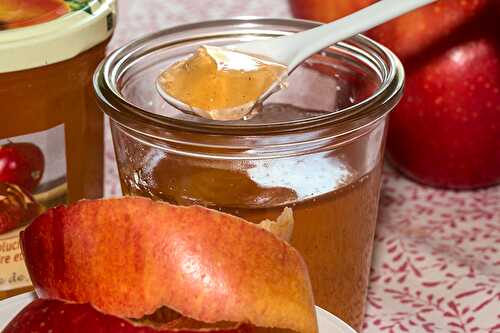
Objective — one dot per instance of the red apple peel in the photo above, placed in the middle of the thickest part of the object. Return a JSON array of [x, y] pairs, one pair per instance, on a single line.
[[128, 257]]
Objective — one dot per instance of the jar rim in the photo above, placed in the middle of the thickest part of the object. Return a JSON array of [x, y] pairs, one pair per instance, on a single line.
[[349, 119]]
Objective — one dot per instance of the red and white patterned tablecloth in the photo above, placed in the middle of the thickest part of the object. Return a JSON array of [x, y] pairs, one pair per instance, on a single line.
[[436, 264]]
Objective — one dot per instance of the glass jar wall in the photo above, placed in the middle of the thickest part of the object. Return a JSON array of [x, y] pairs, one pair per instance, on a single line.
[[315, 146]]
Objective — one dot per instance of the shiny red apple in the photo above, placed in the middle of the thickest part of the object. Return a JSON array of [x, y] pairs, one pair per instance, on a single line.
[[446, 130], [406, 35], [60, 317], [21, 163]]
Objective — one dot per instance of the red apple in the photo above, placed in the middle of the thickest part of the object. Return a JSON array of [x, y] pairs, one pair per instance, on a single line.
[[60, 317], [326, 10], [17, 207], [129, 257], [22, 164], [406, 35], [445, 132]]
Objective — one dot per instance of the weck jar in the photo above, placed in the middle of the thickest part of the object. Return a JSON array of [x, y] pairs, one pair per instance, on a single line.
[[51, 133], [316, 146]]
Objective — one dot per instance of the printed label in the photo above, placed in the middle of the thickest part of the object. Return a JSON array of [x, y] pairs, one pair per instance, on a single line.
[[32, 179], [13, 273]]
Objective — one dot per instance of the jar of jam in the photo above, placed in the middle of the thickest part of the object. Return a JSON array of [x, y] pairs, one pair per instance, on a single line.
[[315, 146], [51, 133]]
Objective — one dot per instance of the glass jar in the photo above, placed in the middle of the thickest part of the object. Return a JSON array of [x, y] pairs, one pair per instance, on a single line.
[[316, 146], [51, 133]]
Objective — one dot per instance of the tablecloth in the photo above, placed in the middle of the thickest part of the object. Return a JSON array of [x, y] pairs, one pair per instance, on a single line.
[[436, 262]]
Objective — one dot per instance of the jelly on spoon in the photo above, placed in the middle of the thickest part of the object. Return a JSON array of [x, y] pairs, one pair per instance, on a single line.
[[225, 83]]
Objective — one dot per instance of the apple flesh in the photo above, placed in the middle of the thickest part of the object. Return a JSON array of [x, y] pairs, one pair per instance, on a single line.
[[445, 131], [60, 317], [129, 257]]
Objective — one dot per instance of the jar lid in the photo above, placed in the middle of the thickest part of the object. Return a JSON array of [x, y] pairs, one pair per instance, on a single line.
[[35, 33]]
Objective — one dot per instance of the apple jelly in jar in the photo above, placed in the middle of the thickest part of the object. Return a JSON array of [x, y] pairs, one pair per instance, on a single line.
[[315, 146], [51, 133]]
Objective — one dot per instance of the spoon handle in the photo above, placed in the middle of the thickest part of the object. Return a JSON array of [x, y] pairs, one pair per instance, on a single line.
[[293, 49]]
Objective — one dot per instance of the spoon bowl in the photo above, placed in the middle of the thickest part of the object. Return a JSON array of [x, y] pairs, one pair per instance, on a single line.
[[226, 114]]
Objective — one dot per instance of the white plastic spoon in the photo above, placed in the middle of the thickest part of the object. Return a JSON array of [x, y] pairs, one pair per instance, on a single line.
[[292, 50]]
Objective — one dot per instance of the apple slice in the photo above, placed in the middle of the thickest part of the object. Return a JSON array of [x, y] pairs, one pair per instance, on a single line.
[[128, 257]]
